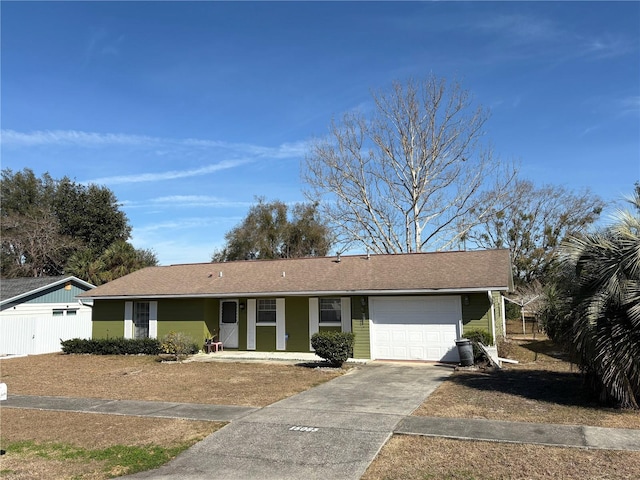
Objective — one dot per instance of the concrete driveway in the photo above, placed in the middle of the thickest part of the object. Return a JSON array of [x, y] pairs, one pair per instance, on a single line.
[[334, 430]]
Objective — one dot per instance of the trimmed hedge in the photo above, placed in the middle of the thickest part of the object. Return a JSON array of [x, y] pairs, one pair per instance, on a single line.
[[112, 346], [334, 347]]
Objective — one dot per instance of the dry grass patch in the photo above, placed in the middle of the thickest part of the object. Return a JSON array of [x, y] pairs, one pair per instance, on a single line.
[[93, 430], [545, 388], [64, 445], [420, 458], [144, 378]]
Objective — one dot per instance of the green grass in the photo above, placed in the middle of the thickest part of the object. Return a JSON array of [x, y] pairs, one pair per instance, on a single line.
[[130, 459]]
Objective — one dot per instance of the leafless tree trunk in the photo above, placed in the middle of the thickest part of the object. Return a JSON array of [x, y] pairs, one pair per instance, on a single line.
[[412, 176], [32, 245]]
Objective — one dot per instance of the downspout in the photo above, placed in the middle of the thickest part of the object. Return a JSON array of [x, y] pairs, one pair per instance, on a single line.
[[504, 318], [493, 317]]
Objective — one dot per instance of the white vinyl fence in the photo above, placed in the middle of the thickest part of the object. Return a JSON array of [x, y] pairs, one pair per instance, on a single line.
[[30, 334]]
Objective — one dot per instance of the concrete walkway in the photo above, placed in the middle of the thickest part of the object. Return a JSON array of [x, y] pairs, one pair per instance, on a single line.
[[334, 430], [580, 436], [331, 431], [136, 408]]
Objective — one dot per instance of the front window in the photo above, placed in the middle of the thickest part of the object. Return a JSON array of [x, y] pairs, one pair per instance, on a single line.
[[141, 320], [330, 310], [229, 312], [266, 310]]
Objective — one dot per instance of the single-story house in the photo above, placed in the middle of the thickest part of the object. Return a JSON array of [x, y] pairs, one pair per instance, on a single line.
[[404, 306], [37, 312]]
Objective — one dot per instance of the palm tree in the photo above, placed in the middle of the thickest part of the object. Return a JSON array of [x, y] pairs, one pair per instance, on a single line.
[[606, 306], [120, 259]]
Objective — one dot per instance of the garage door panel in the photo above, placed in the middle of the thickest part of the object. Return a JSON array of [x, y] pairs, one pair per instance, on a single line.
[[419, 328]]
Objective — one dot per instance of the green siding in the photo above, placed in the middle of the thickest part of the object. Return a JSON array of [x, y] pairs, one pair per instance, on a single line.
[[330, 329], [360, 327], [192, 328], [176, 310], [193, 317], [362, 344], [211, 317], [188, 316], [108, 319], [266, 339], [476, 315], [297, 324]]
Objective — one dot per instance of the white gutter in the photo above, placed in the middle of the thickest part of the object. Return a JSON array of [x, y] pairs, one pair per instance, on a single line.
[[311, 293]]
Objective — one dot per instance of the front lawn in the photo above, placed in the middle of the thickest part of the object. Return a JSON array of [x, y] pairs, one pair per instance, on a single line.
[[140, 377], [65, 445], [544, 388]]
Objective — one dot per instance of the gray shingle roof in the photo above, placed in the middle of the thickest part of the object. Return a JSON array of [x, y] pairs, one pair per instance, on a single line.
[[15, 287], [12, 287], [416, 272]]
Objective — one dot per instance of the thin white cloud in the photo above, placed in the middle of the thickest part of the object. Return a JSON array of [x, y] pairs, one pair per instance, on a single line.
[[73, 137], [629, 105], [236, 154], [608, 46], [196, 201], [524, 28], [91, 139], [169, 175]]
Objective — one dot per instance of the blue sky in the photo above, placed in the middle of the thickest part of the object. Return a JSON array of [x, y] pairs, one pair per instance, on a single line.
[[189, 110]]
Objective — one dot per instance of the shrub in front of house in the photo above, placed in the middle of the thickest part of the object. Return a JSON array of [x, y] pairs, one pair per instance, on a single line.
[[334, 347], [478, 335], [178, 344], [112, 346]]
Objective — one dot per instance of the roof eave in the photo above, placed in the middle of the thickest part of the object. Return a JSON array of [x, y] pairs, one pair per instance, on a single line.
[[47, 286], [314, 293]]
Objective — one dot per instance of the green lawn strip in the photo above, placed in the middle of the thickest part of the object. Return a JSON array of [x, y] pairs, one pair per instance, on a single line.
[[129, 459]]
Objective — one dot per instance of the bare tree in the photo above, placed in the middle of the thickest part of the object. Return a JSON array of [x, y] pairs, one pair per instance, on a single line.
[[533, 223], [414, 175], [32, 245]]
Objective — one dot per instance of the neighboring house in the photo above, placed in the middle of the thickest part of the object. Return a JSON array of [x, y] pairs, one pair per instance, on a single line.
[[37, 312], [404, 306]]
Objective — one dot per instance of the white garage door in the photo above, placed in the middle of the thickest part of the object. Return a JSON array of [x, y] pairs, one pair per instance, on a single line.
[[415, 328]]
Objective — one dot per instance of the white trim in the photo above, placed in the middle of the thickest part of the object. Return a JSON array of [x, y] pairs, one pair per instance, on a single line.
[[153, 319], [251, 324], [493, 316], [312, 293], [314, 319], [281, 342], [128, 319], [345, 313]]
